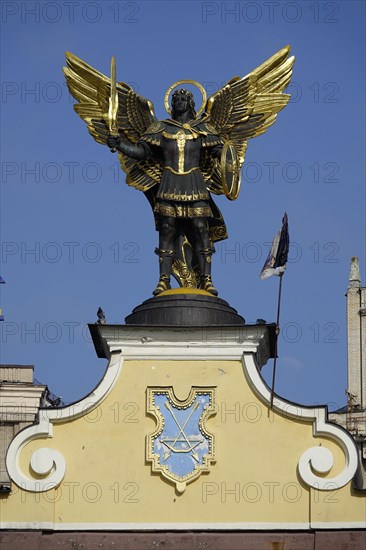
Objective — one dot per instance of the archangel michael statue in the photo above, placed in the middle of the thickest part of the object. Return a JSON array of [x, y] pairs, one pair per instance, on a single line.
[[178, 162]]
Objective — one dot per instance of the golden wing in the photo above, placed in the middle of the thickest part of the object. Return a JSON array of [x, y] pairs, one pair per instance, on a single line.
[[246, 107], [135, 114]]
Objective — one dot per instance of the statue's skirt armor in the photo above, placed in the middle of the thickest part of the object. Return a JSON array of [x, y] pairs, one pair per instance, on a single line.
[[195, 209], [182, 187], [183, 195]]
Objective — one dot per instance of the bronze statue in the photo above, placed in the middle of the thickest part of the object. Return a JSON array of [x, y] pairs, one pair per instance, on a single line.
[[178, 162]]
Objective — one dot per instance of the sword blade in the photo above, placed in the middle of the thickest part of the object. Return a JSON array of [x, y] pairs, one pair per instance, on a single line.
[[113, 101]]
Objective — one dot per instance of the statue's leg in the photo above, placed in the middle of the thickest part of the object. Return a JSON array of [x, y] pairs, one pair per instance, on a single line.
[[167, 229], [203, 249]]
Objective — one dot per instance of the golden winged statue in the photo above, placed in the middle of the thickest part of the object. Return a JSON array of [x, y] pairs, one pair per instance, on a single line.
[[178, 162]]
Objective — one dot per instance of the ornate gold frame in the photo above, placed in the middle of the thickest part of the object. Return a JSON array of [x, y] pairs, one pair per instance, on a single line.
[[154, 411]]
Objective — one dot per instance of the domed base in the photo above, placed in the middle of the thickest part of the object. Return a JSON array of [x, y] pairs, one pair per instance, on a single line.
[[184, 307]]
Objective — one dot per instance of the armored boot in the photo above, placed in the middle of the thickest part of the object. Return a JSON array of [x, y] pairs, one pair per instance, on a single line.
[[204, 265], [165, 268]]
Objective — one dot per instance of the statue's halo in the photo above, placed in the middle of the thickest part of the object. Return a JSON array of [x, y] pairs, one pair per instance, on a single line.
[[178, 83]]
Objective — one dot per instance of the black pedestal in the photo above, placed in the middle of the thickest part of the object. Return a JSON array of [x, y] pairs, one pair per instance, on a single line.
[[184, 307]]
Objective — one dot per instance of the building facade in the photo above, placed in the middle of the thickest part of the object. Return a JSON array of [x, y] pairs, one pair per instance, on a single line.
[[20, 401], [179, 446], [353, 416]]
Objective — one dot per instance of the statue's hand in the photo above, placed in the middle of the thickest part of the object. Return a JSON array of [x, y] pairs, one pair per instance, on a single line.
[[113, 142]]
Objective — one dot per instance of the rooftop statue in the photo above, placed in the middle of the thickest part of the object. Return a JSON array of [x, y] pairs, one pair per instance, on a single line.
[[178, 162]]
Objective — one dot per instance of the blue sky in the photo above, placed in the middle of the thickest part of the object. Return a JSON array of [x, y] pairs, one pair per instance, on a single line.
[[92, 237]]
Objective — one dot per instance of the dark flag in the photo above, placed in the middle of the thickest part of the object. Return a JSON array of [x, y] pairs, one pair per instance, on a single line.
[[275, 263], [1, 313]]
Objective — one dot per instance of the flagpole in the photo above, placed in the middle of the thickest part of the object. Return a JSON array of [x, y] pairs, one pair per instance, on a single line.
[[276, 341]]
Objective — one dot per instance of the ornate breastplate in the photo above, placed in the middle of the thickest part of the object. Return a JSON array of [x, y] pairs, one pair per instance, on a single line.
[[181, 136]]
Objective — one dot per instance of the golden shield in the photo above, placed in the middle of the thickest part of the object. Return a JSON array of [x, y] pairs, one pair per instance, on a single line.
[[230, 171]]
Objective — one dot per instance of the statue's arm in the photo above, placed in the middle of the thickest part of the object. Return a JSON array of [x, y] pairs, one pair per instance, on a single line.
[[216, 151], [211, 141], [141, 151]]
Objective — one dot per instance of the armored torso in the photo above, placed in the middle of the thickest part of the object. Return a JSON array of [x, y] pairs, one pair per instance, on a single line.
[[181, 146], [181, 149]]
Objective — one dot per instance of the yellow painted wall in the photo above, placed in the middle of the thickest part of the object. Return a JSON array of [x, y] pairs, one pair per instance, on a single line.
[[254, 479]]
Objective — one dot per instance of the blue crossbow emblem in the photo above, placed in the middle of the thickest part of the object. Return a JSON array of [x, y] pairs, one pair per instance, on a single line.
[[181, 447]]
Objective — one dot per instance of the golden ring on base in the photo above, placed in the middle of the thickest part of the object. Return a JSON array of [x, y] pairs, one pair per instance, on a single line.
[[184, 290]]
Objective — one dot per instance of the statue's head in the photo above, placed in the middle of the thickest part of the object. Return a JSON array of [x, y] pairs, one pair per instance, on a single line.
[[182, 101]]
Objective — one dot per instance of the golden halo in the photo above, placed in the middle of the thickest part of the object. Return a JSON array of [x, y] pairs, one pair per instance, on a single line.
[[178, 83]]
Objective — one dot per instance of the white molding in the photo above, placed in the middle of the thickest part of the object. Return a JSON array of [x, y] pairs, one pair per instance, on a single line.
[[168, 352], [315, 459], [172, 343], [335, 525], [47, 461], [219, 526]]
